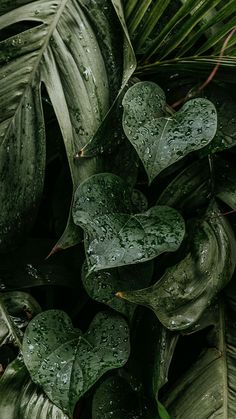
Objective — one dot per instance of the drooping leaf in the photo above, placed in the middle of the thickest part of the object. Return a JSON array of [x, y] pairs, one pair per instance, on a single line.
[[103, 285], [115, 398], [71, 47], [208, 387], [22, 399], [161, 139], [114, 237], [186, 289], [65, 362]]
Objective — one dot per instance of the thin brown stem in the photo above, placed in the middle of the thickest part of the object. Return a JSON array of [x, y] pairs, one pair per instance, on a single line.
[[211, 75]]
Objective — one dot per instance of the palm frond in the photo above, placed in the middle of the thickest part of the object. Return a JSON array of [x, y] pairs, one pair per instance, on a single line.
[[189, 33]]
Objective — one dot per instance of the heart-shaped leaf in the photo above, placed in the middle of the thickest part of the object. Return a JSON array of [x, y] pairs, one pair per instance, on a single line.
[[103, 285], [162, 139], [65, 362], [186, 289], [114, 237]]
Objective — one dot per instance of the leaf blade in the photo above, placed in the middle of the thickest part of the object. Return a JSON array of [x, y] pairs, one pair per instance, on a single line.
[[161, 139], [114, 237], [65, 362]]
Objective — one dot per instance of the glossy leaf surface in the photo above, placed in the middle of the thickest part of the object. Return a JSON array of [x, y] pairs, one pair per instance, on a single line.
[[186, 289], [75, 56], [208, 387], [65, 362], [114, 237], [103, 285], [22, 399], [162, 139], [190, 189]]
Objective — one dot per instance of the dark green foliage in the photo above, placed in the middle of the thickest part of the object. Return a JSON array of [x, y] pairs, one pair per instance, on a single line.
[[118, 200]]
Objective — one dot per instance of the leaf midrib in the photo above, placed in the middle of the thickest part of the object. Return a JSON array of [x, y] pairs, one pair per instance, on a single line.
[[38, 60], [159, 146]]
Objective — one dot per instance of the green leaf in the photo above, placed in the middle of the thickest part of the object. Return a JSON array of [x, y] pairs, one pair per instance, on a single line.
[[161, 139], [22, 399], [152, 349], [115, 398], [81, 53], [16, 308], [186, 289], [163, 412], [103, 285], [190, 189], [162, 28], [114, 237], [65, 362], [207, 389], [225, 182], [26, 267], [226, 108]]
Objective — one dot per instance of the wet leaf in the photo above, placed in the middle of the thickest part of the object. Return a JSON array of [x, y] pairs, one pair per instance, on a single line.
[[22, 399], [65, 362], [207, 389], [81, 52], [190, 189], [103, 285], [162, 139], [115, 398], [114, 237], [186, 289]]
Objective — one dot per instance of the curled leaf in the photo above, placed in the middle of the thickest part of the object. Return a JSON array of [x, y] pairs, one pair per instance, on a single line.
[[186, 289]]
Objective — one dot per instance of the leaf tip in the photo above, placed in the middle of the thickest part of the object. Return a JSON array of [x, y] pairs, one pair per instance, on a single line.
[[120, 294], [54, 250]]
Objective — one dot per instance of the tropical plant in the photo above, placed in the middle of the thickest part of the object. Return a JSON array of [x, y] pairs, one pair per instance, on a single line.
[[118, 200]]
